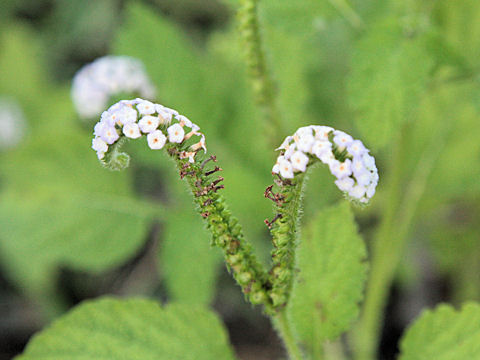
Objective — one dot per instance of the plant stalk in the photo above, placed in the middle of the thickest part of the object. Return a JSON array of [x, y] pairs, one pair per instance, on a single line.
[[284, 330]]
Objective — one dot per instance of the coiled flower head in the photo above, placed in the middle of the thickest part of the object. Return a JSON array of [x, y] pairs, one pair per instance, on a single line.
[[135, 118], [12, 123], [348, 159], [95, 83]]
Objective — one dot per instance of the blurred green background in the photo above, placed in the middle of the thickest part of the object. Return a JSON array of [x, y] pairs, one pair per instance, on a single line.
[[71, 230]]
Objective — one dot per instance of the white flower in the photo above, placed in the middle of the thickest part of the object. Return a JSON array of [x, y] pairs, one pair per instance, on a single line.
[[345, 184], [276, 167], [341, 169], [304, 131], [371, 190], [357, 191], [285, 144], [156, 140], [175, 133], [109, 134], [98, 129], [109, 118], [341, 139], [356, 148], [321, 132], [126, 115], [164, 117], [286, 169], [327, 157], [305, 142], [299, 161], [100, 155], [132, 131], [290, 150], [99, 145], [148, 124], [358, 166], [364, 178], [97, 82], [369, 162], [321, 147], [145, 107]]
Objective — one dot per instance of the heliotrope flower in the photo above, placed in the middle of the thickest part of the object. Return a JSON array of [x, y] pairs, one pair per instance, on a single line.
[[348, 159], [95, 83], [134, 118]]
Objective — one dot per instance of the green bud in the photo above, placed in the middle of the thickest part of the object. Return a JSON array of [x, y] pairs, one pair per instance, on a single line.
[[244, 278], [117, 161]]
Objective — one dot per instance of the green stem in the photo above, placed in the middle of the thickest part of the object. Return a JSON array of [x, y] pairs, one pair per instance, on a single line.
[[283, 328], [284, 238], [262, 83], [226, 232]]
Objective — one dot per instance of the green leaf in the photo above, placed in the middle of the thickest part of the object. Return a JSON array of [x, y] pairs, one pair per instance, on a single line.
[[59, 207], [187, 260], [389, 74], [329, 286], [444, 334], [131, 329]]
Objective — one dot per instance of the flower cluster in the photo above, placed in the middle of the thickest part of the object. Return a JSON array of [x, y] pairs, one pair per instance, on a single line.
[[12, 123], [348, 159], [97, 82], [161, 125]]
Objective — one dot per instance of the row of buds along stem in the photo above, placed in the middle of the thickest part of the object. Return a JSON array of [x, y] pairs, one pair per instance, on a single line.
[[161, 126], [166, 128], [226, 232], [96, 83], [348, 159]]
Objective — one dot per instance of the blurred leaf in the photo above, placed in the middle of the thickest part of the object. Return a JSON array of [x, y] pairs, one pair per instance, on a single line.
[[60, 207], [458, 21], [388, 77], [326, 295], [188, 261], [132, 329], [444, 333], [22, 69], [299, 17]]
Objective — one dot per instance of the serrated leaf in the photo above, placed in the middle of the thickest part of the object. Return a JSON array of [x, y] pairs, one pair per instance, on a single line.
[[332, 272], [131, 329], [444, 334], [389, 74], [187, 260]]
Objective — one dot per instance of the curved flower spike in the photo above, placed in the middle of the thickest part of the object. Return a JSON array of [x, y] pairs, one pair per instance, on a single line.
[[348, 159], [134, 118], [166, 128], [95, 83]]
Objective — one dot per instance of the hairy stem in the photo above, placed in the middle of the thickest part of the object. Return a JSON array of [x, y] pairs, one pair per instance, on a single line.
[[226, 232], [283, 328], [262, 83], [284, 238]]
